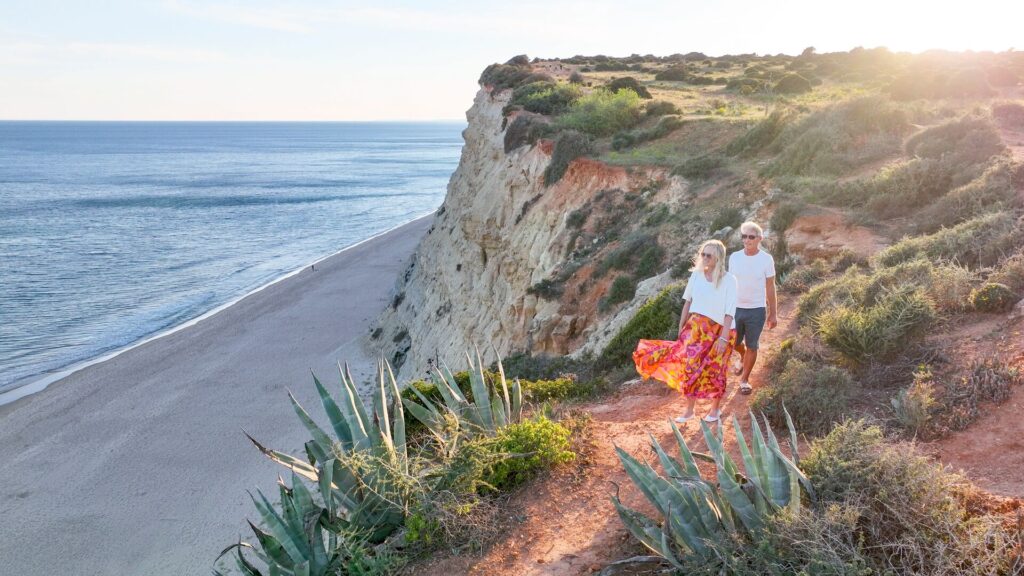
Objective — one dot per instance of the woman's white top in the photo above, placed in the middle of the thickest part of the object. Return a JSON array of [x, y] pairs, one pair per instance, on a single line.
[[715, 303]]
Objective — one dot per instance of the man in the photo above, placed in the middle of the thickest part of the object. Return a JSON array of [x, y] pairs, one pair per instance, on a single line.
[[755, 298]]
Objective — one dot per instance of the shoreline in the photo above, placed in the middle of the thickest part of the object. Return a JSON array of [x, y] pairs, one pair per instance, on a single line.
[[40, 382], [139, 461]]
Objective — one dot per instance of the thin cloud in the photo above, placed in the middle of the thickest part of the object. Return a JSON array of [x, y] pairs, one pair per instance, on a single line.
[[35, 53], [300, 22]]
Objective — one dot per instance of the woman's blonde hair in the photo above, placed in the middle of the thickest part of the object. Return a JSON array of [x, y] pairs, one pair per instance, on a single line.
[[719, 270]]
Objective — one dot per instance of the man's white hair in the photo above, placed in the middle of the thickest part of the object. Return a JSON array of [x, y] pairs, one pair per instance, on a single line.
[[749, 226]]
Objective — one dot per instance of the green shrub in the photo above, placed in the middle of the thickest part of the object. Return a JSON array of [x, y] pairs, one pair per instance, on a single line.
[[526, 129], [577, 218], [792, 84], [563, 388], [544, 367], [845, 291], [699, 168], [665, 125], [948, 285], [816, 395], [914, 404], [838, 138], [1011, 272], [630, 83], [908, 512], [547, 289], [504, 76], [639, 253], [880, 331], [673, 74], [993, 191], [548, 98], [576, 78], [978, 242], [967, 140], [993, 297], [528, 447], [730, 216], [569, 145], [662, 108], [761, 135], [745, 85], [658, 319], [623, 289], [603, 113], [904, 188], [804, 276]]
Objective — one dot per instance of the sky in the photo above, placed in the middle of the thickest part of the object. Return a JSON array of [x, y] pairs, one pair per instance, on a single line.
[[385, 60]]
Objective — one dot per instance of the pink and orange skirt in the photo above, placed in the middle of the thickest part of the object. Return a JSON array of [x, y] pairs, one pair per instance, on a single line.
[[689, 364]]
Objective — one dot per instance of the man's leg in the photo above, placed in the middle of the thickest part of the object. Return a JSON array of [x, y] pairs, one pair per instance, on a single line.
[[755, 324], [739, 348], [749, 358]]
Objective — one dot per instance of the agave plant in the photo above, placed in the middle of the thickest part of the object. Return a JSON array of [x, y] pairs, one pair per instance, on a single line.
[[485, 415], [299, 540], [697, 513], [356, 464]]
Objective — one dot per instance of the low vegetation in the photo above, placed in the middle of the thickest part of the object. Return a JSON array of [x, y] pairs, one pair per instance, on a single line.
[[366, 495]]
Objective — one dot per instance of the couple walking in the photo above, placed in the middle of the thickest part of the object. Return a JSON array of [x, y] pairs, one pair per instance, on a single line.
[[723, 311]]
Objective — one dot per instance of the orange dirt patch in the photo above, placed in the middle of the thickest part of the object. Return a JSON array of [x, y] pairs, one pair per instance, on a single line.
[[825, 233], [991, 451], [570, 525]]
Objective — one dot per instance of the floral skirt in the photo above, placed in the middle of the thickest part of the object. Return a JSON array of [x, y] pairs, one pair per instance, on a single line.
[[689, 364]]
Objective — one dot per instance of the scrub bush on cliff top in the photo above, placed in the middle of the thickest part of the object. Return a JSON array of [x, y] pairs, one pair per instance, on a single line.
[[978, 242], [569, 146], [548, 98], [603, 113], [793, 84], [630, 83]]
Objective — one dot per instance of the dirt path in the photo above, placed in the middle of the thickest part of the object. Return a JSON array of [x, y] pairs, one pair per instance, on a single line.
[[569, 524], [991, 451]]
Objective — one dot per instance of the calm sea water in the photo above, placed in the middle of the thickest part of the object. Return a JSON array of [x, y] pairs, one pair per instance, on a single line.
[[112, 231]]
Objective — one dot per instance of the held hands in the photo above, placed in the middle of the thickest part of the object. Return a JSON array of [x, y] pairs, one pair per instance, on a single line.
[[720, 346]]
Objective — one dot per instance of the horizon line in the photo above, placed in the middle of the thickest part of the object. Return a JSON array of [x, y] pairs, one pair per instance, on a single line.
[[281, 121]]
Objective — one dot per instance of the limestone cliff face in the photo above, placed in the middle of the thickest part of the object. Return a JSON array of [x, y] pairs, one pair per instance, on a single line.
[[499, 232]]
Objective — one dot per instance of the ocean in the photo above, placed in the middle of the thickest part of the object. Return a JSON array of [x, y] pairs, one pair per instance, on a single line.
[[114, 231]]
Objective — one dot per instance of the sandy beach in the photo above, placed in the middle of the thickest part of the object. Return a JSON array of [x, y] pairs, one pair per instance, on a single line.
[[138, 465]]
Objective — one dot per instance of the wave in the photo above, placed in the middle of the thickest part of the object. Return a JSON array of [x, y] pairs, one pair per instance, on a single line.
[[186, 202]]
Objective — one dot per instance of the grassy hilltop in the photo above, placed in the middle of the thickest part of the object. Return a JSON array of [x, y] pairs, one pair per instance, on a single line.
[[892, 189]]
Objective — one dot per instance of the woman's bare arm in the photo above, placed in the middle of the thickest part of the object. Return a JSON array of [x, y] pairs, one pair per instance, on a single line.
[[684, 316]]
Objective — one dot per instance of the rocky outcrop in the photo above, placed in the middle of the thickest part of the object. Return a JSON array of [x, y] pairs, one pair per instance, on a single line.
[[499, 232]]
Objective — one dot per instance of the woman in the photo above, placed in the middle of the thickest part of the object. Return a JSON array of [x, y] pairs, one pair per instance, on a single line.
[[696, 364]]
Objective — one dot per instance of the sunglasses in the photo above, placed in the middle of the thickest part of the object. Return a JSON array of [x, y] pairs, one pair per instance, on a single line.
[[748, 236], [706, 255]]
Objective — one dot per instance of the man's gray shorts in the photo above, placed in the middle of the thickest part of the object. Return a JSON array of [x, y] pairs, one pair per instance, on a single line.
[[749, 324]]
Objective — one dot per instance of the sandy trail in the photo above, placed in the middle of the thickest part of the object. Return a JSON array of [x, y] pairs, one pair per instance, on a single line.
[[569, 524], [137, 465]]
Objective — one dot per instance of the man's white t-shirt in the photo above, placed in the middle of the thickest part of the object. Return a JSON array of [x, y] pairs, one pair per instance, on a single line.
[[709, 301], [751, 273]]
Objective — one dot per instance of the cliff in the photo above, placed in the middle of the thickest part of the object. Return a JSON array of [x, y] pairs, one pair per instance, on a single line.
[[500, 231]]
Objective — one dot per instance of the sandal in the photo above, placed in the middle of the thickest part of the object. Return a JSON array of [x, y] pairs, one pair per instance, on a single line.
[[683, 419], [746, 388], [713, 417]]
